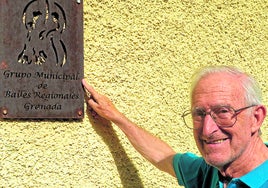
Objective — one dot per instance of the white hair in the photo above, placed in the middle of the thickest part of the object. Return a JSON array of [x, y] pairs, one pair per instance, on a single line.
[[252, 92]]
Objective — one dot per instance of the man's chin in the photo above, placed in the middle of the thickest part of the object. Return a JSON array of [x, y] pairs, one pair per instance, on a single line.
[[216, 161]]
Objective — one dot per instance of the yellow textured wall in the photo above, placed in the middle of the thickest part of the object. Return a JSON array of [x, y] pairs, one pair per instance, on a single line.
[[141, 53]]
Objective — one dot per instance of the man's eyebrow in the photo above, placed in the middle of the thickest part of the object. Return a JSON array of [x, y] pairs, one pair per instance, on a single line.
[[198, 109], [211, 107]]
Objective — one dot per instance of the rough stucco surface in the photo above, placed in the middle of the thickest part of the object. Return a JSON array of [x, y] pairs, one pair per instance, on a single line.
[[142, 55]]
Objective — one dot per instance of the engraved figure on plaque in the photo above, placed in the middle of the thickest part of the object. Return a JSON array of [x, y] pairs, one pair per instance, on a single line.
[[45, 22]]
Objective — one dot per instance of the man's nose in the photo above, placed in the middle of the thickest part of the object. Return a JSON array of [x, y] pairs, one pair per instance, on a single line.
[[209, 125]]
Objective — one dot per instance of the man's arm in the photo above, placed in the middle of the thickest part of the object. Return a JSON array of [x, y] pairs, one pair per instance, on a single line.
[[150, 147]]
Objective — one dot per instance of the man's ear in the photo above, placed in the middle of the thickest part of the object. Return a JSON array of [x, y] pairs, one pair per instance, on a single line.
[[259, 114]]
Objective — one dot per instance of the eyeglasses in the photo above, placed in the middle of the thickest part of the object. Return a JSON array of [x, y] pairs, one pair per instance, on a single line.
[[223, 116]]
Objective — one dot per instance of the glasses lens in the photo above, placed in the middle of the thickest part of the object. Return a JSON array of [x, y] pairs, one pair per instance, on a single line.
[[187, 117], [224, 116]]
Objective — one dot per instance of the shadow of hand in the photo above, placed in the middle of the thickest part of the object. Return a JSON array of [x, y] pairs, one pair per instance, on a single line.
[[127, 171]]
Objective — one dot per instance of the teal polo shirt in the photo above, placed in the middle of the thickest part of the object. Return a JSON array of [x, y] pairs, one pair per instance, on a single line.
[[193, 172]]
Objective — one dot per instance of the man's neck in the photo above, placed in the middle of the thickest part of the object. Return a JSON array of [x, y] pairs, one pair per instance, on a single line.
[[255, 155]]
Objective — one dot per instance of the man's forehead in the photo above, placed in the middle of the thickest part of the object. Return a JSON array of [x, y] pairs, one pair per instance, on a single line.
[[218, 89]]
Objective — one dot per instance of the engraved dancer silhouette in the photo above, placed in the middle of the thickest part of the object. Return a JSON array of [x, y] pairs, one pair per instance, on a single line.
[[45, 23]]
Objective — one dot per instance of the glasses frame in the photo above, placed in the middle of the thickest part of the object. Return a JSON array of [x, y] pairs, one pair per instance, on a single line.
[[236, 112]]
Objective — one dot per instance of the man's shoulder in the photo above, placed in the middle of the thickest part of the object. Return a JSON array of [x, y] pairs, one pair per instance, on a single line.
[[184, 160], [191, 168]]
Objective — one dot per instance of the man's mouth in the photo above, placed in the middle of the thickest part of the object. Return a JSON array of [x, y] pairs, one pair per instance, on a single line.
[[215, 141]]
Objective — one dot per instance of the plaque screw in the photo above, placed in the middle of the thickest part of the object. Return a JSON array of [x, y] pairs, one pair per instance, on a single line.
[[5, 112], [3, 65], [78, 1], [80, 113]]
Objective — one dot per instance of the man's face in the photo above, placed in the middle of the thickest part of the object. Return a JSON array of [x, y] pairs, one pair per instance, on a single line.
[[221, 146]]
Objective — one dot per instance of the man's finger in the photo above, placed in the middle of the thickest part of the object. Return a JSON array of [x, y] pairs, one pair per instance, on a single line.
[[94, 94]]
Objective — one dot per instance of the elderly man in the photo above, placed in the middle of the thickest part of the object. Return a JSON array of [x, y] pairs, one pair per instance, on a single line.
[[225, 115]]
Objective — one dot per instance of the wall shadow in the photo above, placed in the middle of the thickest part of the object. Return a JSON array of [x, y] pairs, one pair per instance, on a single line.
[[128, 173]]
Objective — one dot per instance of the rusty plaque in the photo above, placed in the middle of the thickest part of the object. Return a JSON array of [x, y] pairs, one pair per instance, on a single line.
[[41, 59]]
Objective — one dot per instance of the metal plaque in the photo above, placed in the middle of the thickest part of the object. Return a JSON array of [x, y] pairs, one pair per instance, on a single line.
[[41, 59]]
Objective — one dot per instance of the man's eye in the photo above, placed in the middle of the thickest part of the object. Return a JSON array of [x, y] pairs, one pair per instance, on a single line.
[[221, 110], [199, 113]]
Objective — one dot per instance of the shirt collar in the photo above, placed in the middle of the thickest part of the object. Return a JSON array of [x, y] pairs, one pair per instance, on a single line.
[[257, 177], [254, 178]]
